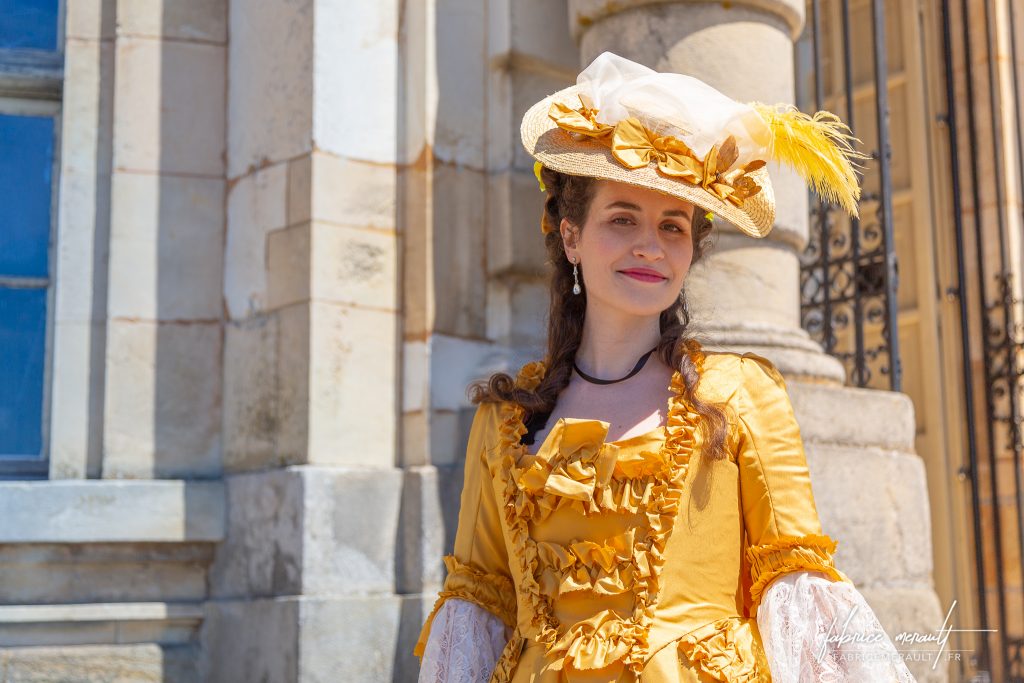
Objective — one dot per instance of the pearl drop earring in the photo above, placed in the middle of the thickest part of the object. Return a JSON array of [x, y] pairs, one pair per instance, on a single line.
[[576, 277]]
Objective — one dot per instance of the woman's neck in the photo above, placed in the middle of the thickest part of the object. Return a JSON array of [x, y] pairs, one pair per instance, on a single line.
[[612, 344]]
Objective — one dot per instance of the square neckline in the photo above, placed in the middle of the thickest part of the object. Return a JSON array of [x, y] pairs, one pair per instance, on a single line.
[[544, 444]]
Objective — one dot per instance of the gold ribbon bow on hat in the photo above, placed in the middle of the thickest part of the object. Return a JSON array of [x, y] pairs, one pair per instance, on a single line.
[[634, 146]]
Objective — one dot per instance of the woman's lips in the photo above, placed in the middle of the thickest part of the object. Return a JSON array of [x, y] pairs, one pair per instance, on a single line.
[[643, 276]]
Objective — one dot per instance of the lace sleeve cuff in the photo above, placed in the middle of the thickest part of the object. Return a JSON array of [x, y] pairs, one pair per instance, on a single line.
[[464, 644], [801, 617]]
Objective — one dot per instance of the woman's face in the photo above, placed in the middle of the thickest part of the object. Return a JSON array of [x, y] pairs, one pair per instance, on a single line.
[[635, 248]]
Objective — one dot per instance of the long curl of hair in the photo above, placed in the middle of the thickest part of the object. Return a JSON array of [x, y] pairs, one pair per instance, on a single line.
[[569, 196]]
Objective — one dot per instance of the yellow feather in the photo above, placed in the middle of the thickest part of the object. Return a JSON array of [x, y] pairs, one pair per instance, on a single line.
[[819, 147]]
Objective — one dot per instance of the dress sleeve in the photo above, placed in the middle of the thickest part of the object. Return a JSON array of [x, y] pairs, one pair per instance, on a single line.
[[478, 569], [464, 644], [779, 514], [815, 629]]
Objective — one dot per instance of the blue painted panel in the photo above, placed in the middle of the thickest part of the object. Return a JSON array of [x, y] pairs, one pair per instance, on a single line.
[[28, 24], [26, 160], [22, 355]]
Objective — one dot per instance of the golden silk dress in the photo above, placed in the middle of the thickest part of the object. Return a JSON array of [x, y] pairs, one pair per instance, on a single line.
[[636, 560]]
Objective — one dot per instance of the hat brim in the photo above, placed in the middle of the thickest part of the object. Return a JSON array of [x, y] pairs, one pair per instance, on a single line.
[[560, 151]]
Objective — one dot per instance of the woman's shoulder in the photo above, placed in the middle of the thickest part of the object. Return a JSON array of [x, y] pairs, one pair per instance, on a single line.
[[724, 374]]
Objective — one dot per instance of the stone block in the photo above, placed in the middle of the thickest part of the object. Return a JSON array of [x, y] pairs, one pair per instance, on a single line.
[[312, 640], [414, 612], [246, 641], [515, 244], [309, 531], [289, 261], [459, 234], [421, 532], [743, 280], [91, 511], [262, 554], [256, 205], [460, 136], [76, 401], [204, 21], [882, 525], [300, 189], [350, 518], [350, 192], [853, 416], [529, 87], [356, 267], [540, 31], [251, 404], [44, 573], [98, 624], [293, 383], [89, 20], [352, 398], [585, 15], [163, 394], [169, 107], [84, 199], [149, 663], [355, 92], [270, 82], [166, 247], [348, 639]]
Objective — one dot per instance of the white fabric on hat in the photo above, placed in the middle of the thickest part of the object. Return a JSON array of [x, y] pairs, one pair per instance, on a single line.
[[672, 104]]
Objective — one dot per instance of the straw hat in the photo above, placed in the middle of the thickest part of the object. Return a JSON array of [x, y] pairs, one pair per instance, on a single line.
[[676, 134]]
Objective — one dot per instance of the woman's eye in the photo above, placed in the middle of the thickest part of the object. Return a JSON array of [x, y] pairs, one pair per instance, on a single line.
[[675, 227], [622, 220]]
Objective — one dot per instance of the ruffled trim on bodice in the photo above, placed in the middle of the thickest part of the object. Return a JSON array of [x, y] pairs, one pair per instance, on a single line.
[[725, 650], [586, 472]]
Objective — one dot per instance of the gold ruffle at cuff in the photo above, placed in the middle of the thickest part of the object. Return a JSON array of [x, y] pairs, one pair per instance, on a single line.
[[812, 552], [492, 592]]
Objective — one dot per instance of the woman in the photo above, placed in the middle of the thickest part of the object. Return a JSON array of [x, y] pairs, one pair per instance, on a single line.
[[635, 507]]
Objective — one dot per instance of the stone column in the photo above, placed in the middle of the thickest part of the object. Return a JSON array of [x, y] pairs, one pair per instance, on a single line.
[[303, 588], [860, 443]]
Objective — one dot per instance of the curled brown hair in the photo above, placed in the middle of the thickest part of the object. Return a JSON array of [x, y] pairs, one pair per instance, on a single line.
[[569, 197]]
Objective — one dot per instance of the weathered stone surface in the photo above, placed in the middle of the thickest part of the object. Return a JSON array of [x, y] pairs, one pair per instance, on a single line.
[[163, 389], [882, 524], [270, 82], [414, 612], [312, 640], [352, 193], [584, 14], [169, 106], [354, 99], [421, 532], [255, 640], [167, 247], [256, 205], [100, 664], [98, 511], [262, 552], [200, 21], [853, 416], [352, 402], [99, 624], [309, 530], [48, 573], [349, 530], [251, 403]]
